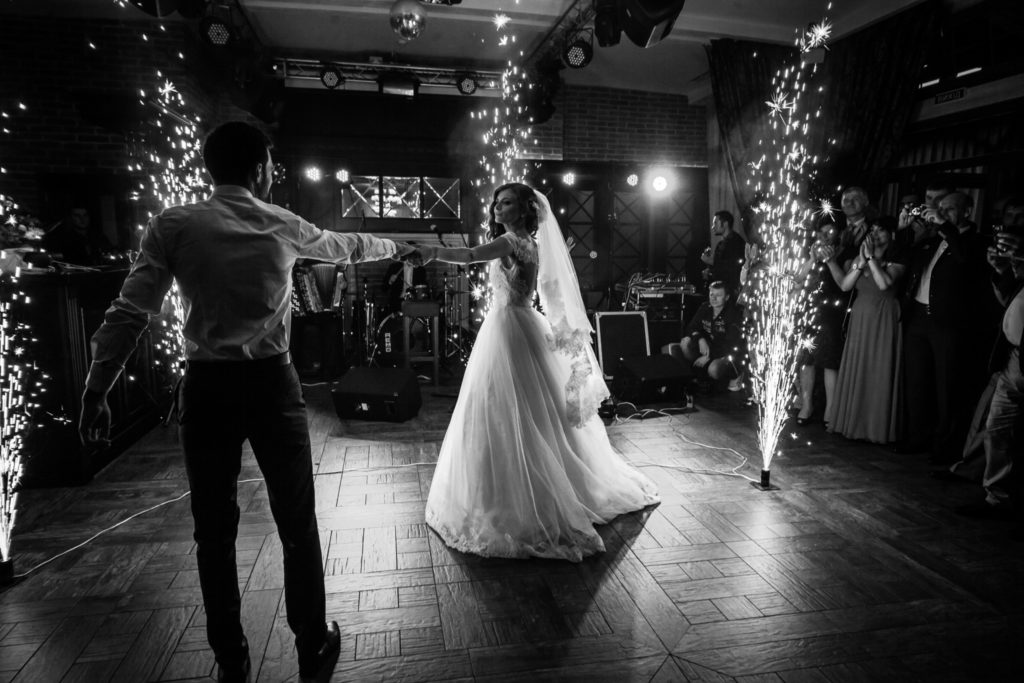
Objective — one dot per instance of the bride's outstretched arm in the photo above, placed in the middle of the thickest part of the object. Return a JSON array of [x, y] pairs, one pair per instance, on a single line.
[[483, 252]]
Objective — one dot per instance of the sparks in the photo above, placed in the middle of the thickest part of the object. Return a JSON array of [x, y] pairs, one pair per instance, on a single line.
[[781, 320], [500, 21], [817, 35], [779, 104]]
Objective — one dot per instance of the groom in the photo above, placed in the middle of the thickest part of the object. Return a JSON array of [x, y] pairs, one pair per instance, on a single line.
[[232, 257]]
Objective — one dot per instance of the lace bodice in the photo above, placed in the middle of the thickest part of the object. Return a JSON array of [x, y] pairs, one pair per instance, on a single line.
[[514, 278]]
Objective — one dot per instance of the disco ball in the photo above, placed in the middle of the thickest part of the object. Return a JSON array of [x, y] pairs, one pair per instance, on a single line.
[[408, 19]]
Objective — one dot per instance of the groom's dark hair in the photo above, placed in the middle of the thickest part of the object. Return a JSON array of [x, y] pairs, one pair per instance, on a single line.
[[527, 206]]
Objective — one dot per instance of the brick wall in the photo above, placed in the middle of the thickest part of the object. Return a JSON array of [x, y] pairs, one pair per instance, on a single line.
[[81, 101], [604, 124]]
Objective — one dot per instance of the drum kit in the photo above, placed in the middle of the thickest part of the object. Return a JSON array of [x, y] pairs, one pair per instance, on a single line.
[[383, 340]]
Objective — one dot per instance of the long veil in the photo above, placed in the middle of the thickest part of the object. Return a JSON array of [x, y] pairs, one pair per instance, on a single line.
[[571, 330]]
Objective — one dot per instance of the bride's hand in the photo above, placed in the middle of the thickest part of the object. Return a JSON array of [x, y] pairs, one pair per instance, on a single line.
[[427, 254]]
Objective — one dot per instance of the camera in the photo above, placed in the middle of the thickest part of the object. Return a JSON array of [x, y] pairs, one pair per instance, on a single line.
[[918, 210]]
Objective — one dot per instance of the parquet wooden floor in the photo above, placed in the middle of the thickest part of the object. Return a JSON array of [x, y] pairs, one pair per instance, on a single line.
[[857, 569]]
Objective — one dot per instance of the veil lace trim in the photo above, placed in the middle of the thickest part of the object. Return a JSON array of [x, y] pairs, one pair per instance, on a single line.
[[571, 332]]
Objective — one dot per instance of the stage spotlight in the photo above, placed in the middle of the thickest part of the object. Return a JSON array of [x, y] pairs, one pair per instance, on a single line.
[[569, 178], [632, 179], [313, 174], [466, 84], [331, 77], [659, 183], [217, 32], [606, 22], [579, 49], [342, 177]]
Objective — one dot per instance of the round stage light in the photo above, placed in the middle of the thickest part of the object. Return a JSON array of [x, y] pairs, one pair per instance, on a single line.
[[659, 183], [632, 179], [331, 77]]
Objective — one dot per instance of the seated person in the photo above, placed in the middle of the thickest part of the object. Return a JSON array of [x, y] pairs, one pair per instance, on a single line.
[[713, 340]]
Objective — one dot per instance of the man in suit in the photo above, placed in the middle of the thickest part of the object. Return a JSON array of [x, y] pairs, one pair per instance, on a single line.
[[858, 214], [946, 333]]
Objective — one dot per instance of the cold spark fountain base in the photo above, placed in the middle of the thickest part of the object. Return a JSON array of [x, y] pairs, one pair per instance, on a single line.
[[766, 482]]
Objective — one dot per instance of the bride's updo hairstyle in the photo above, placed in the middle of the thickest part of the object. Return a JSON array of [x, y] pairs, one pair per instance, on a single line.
[[527, 208]]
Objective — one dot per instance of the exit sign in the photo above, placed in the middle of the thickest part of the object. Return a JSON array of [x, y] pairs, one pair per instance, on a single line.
[[949, 96]]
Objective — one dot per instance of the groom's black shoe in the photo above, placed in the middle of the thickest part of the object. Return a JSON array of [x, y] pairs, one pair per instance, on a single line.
[[326, 657], [235, 674]]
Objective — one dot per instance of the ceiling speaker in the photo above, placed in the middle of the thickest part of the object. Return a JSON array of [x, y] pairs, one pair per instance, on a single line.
[[647, 22]]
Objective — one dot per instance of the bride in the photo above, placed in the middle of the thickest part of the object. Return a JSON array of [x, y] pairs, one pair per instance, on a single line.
[[526, 468]]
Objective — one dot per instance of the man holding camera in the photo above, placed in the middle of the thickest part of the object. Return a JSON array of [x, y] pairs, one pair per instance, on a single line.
[[912, 227], [944, 322]]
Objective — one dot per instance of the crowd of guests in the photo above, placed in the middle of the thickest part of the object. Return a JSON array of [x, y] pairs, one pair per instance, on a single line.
[[906, 313]]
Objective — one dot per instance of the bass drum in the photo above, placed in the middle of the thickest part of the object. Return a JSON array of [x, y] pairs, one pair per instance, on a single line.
[[389, 348]]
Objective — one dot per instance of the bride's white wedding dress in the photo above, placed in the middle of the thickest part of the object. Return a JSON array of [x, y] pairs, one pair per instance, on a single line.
[[514, 478]]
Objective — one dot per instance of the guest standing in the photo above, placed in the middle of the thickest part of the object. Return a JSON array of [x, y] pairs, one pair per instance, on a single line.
[[724, 262], [947, 313], [829, 304], [866, 403]]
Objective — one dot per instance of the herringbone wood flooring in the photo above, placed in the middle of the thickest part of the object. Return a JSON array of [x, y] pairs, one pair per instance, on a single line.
[[856, 569]]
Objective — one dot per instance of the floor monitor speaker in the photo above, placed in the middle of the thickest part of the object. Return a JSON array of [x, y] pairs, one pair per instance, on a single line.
[[620, 334], [387, 394], [650, 379]]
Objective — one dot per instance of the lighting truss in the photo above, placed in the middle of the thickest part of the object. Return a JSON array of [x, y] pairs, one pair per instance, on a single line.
[[305, 73]]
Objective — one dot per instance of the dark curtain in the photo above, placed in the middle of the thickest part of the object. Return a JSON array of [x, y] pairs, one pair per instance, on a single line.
[[870, 83], [741, 77]]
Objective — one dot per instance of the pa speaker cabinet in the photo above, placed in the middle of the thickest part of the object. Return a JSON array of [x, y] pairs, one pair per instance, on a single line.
[[663, 332], [620, 334], [387, 394], [651, 379]]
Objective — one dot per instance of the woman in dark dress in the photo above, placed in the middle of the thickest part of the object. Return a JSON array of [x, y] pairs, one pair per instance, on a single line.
[[829, 304]]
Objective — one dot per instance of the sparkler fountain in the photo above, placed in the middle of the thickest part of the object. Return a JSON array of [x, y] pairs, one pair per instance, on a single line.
[[781, 321], [504, 138]]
